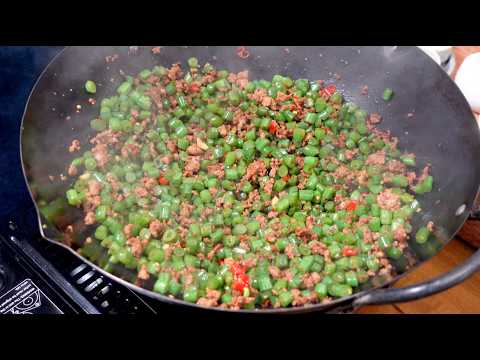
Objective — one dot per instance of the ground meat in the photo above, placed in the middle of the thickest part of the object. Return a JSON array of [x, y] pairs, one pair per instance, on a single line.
[[213, 294], [249, 263], [350, 154], [290, 251], [311, 279], [72, 170], [388, 200], [171, 146], [268, 187], [317, 247], [309, 222], [367, 236], [207, 302], [75, 146], [91, 202], [272, 214], [275, 272], [424, 174], [274, 165], [206, 212], [113, 181], [400, 234], [242, 52], [94, 187], [148, 182], [305, 234], [186, 210], [258, 95], [238, 301], [223, 131], [212, 252], [396, 166], [374, 118], [89, 218], [174, 72], [267, 101], [136, 246], [271, 236], [362, 177], [298, 299], [242, 79], [100, 154], [192, 166], [127, 230], [140, 192], [143, 273], [262, 220], [130, 150], [254, 169], [377, 158], [106, 137], [281, 97], [156, 228], [342, 172], [194, 149], [252, 197]]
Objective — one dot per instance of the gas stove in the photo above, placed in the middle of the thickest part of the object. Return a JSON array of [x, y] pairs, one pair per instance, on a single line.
[[36, 276]]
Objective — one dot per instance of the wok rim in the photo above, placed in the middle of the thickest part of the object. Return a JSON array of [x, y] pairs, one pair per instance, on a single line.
[[174, 301]]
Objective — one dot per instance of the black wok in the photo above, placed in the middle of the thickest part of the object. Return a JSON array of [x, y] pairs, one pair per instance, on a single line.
[[442, 132]]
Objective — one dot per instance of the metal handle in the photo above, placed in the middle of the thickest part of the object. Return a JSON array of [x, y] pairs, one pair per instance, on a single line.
[[431, 287]]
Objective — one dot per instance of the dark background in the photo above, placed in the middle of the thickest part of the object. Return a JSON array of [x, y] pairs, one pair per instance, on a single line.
[[20, 67]]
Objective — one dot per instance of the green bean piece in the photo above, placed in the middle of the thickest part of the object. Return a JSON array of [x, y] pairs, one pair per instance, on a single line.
[[422, 235], [387, 94], [91, 87]]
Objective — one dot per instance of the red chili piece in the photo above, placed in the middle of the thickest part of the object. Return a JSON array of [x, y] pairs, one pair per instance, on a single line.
[[329, 90], [163, 181], [351, 205], [194, 88], [347, 251], [240, 279], [272, 128]]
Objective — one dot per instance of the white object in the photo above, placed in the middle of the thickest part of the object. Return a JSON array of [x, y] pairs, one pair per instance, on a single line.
[[442, 55], [468, 80], [445, 52], [432, 53]]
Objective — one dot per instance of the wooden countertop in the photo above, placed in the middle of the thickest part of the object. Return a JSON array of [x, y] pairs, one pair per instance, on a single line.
[[461, 299]]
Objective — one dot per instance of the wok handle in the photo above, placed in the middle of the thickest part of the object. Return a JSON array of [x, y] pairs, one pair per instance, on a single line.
[[427, 288]]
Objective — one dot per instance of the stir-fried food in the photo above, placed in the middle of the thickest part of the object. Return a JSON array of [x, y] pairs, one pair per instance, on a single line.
[[245, 194]]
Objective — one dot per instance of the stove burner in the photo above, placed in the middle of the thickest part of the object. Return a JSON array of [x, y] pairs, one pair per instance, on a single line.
[[3, 278]]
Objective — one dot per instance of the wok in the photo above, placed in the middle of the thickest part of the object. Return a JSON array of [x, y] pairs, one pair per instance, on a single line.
[[442, 132]]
